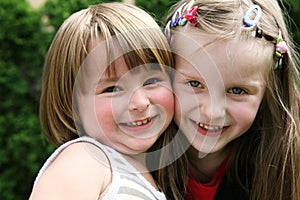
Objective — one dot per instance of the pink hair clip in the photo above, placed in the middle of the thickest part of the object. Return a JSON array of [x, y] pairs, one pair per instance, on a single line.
[[190, 15], [280, 47]]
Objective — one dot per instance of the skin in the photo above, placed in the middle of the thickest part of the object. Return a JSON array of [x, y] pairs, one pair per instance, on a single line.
[[219, 90], [68, 175], [128, 110]]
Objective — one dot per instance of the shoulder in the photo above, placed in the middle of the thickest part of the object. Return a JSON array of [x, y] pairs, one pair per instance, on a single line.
[[79, 167]]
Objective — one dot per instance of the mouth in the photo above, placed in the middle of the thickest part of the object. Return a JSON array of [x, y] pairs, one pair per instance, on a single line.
[[211, 130], [138, 122], [210, 127]]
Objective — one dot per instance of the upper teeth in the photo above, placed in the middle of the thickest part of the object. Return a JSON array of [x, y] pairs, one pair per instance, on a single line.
[[210, 128], [138, 123]]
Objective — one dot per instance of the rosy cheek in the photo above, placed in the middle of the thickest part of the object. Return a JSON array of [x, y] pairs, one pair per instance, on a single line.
[[104, 113], [244, 113], [166, 100]]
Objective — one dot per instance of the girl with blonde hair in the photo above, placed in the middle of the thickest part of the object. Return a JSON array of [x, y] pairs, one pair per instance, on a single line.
[[237, 102]]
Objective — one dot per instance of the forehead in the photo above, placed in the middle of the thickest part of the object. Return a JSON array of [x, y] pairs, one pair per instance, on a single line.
[[205, 53]]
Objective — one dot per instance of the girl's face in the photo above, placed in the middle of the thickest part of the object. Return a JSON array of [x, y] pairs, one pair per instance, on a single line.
[[218, 91], [127, 110]]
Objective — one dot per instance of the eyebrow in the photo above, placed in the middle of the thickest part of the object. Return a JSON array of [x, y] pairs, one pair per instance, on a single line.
[[190, 76], [108, 80]]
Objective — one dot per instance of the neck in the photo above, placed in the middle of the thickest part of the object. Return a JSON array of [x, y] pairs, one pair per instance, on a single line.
[[137, 160], [204, 168]]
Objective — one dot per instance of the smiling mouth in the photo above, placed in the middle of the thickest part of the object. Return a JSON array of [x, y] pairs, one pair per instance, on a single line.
[[209, 128], [138, 122]]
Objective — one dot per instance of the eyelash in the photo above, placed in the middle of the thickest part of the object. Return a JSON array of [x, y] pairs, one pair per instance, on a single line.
[[241, 91], [233, 90], [112, 89], [149, 81], [194, 84]]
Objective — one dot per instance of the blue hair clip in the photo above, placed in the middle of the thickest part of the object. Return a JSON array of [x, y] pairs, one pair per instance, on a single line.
[[177, 16], [185, 13], [255, 9]]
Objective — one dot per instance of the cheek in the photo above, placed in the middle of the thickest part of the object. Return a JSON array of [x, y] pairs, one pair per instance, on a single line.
[[87, 116], [105, 116], [186, 102], [165, 99], [245, 114]]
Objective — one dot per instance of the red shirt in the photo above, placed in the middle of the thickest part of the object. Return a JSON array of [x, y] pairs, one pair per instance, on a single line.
[[206, 191]]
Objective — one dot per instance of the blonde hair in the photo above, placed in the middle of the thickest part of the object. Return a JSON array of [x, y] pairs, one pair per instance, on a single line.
[[272, 144], [135, 29]]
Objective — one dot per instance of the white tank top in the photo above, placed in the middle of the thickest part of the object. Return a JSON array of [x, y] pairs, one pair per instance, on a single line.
[[127, 183]]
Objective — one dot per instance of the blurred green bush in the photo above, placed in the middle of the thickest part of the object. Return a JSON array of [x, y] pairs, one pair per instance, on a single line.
[[25, 35], [292, 9], [22, 52]]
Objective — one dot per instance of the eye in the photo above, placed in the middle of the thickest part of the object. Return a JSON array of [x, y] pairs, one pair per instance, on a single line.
[[112, 89], [194, 84], [237, 90], [151, 81]]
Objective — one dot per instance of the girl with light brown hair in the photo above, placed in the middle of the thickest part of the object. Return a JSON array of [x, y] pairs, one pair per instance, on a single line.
[[107, 83]]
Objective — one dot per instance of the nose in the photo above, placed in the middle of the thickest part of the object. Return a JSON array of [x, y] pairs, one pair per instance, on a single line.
[[139, 101], [213, 108]]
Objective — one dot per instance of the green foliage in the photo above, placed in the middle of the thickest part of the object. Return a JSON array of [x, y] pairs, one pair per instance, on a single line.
[[293, 10], [21, 57], [157, 8]]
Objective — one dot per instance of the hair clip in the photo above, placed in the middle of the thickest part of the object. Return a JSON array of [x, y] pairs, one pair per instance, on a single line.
[[258, 32], [280, 49], [184, 14], [255, 9], [181, 18], [190, 15], [176, 18], [167, 31]]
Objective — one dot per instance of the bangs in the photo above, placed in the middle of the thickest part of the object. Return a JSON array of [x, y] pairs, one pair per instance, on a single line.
[[138, 45], [150, 58]]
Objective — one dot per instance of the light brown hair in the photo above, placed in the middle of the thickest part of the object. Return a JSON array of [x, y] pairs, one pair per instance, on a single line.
[[76, 37]]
